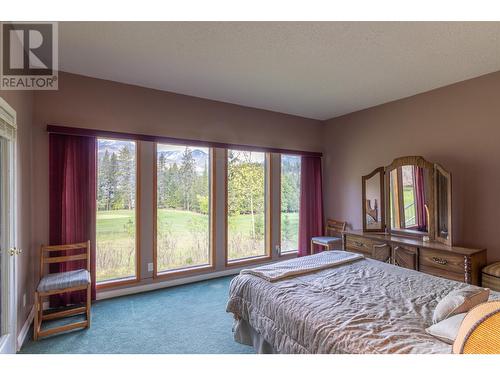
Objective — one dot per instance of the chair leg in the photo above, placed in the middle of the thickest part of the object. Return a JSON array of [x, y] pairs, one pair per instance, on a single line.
[[89, 302], [35, 325]]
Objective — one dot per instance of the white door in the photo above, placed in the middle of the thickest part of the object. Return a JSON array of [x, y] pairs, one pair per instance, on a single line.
[[8, 298]]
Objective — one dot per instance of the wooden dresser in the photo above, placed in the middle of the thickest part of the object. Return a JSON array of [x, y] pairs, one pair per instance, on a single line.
[[451, 262]]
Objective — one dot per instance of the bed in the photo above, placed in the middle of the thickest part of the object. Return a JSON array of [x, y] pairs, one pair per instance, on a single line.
[[361, 307]]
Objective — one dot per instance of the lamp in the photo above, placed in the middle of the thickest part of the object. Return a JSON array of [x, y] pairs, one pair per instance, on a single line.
[[479, 332]]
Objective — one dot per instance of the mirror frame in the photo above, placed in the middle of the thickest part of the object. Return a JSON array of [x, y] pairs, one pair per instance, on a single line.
[[439, 169], [418, 161], [380, 170]]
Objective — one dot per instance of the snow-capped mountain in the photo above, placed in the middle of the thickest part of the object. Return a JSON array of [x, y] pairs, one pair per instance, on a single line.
[[171, 156], [175, 157], [112, 146]]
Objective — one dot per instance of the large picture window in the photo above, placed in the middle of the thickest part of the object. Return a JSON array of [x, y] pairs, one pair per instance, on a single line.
[[116, 210], [246, 204], [290, 202], [183, 207]]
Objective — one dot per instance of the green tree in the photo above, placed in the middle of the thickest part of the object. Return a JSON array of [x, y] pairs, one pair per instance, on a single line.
[[112, 191], [201, 189], [108, 196], [290, 183], [173, 188], [161, 181], [203, 204], [187, 179], [102, 187], [126, 177], [246, 189]]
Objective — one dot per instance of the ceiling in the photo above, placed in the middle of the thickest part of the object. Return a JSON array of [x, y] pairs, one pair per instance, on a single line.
[[317, 70]]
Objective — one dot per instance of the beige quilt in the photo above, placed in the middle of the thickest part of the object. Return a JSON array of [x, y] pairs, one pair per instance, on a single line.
[[361, 307]]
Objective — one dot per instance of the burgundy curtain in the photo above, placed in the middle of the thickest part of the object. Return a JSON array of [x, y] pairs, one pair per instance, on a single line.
[[311, 203], [420, 193], [72, 201]]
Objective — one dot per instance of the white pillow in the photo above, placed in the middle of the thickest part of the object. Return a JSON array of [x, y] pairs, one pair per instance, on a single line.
[[459, 301], [447, 330]]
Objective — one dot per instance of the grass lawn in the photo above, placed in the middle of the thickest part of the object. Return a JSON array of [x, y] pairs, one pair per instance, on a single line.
[[183, 240], [409, 200], [115, 252], [289, 231]]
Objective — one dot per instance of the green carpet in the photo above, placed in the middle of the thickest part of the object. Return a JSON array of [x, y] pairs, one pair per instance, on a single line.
[[183, 319]]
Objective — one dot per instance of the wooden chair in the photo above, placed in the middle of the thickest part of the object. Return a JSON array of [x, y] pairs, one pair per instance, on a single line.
[[62, 282], [333, 236]]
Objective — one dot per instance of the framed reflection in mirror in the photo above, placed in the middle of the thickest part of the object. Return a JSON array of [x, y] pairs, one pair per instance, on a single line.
[[410, 197], [373, 201]]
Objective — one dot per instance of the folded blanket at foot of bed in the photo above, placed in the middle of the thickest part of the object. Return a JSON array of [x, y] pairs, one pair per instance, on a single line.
[[303, 265]]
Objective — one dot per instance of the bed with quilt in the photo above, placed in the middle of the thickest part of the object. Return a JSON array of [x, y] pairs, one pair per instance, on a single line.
[[338, 302]]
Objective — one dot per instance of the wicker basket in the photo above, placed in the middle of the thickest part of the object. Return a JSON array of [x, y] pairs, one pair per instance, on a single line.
[[491, 276]]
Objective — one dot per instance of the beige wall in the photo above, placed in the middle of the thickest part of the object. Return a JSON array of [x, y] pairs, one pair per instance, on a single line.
[[93, 103], [22, 102], [457, 126]]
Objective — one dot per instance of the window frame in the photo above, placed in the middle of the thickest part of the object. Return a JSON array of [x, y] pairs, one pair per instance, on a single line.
[[137, 278], [268, 215], [282, 253], [186, 271]]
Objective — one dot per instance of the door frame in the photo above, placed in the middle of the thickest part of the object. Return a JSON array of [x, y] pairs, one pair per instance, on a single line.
[[8, 334]]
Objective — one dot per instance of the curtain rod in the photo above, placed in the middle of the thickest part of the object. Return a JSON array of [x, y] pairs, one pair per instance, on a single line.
[[68, 130]]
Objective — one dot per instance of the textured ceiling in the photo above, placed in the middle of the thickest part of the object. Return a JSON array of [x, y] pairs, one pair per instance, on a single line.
[[318, 70]]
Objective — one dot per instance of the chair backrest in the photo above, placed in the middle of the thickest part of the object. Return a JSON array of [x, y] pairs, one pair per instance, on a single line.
[[334, 228], [45, 252]]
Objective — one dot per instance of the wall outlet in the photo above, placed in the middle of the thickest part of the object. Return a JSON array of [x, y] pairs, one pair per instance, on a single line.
[[24, 300], [150, 267]]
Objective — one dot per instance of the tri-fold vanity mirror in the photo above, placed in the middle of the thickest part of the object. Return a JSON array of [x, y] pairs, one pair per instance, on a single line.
[[407, 222], [409, 197]]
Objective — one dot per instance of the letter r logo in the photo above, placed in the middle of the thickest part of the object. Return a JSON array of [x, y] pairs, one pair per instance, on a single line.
[[27, 49]]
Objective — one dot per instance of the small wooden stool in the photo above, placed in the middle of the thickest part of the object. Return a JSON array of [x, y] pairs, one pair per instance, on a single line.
[[491, 276]]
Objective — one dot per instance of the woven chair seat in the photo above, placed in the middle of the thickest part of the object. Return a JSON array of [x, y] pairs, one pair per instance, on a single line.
[[63, 280], [325, 240]]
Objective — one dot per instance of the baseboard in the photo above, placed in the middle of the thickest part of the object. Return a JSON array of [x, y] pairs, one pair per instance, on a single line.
[[25, 330], [166, 284]]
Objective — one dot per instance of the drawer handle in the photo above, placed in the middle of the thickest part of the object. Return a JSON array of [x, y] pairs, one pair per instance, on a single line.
[[360, 244], [380, 246], [440, 260]]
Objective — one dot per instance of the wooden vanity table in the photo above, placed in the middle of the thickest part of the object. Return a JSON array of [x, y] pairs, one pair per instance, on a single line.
[[407, 222], [451, 262]]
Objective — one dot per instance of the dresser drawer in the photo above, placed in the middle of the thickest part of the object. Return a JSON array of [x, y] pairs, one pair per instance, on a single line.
[[381, 251], [369, 248], [405, 256], [443, 273], [442, 261], [359, 245]]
